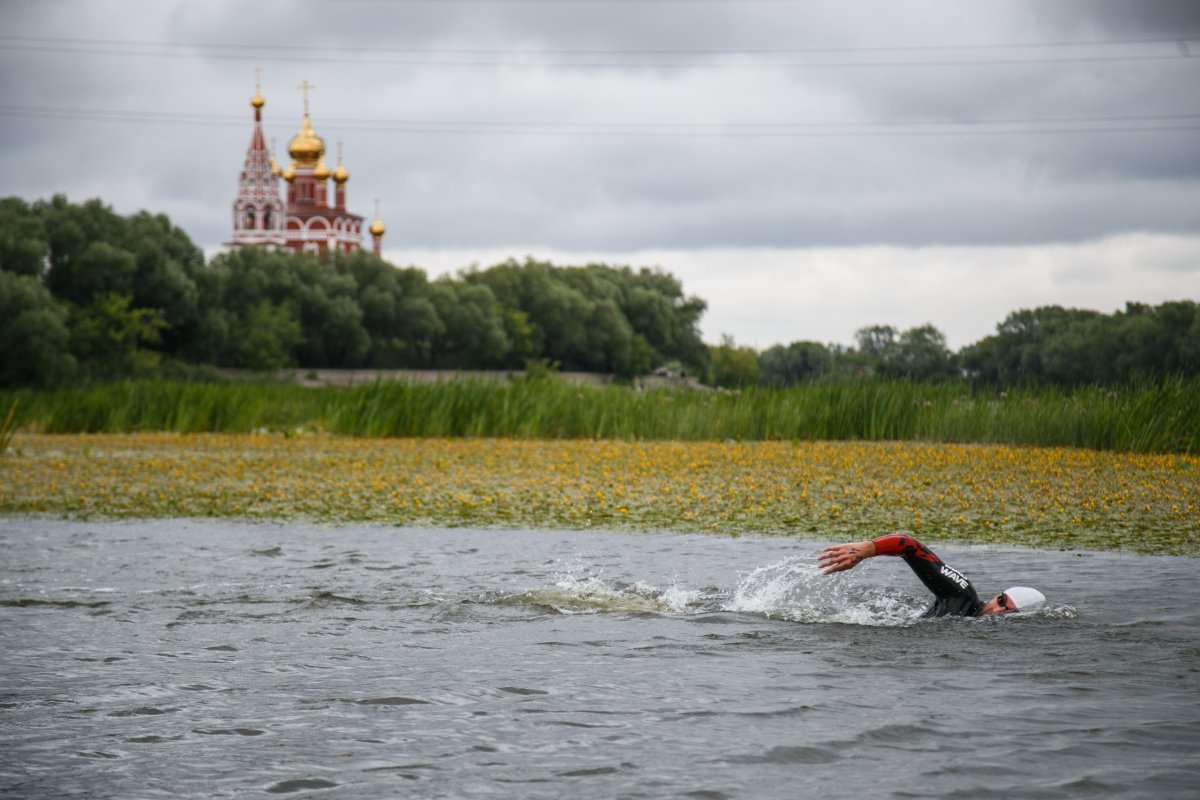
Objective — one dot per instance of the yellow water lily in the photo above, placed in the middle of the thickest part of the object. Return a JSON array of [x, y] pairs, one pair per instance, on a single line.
[[1049, 497]]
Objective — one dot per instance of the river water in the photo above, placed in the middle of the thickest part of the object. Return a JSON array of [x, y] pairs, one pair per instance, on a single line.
[[176, 658]]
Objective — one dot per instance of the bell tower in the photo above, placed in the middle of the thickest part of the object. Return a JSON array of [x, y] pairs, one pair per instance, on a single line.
[[258, 213]]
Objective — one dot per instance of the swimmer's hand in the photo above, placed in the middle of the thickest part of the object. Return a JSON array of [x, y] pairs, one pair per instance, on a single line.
[[839, 557]]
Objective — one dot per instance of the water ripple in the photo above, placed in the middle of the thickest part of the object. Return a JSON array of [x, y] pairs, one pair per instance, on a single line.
[[195, 659]]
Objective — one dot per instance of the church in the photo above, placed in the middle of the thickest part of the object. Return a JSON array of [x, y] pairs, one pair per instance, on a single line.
[[312, 220]]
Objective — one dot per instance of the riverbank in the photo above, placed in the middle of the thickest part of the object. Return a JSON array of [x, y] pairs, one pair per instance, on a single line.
[[972, 494]]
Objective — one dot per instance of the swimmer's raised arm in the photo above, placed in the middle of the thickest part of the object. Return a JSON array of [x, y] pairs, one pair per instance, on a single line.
[[839, 557], [955, 594]]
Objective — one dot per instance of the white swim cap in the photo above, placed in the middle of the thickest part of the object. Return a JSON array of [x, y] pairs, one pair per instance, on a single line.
[[1025, 599]]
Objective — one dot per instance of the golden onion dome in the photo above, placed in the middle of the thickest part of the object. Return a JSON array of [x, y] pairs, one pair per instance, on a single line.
[[340, 175], [257, 101], [377, 228], [321, 170], [290, 172], [306, 147]]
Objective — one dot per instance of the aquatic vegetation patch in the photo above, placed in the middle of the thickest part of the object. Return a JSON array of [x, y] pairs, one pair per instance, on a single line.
[[1155, 416], [1040, 497]]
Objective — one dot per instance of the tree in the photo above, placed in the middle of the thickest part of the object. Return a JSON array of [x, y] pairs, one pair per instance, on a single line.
[[265, 337], [557, 313], [1152, 340], [610, 341], [321, 299], [23, 246], [33, 334], [733, 366], [107, 337], [167, 266], [921, 354], [520, 337], [918, 353], [1189, 345], [1083, 350], [474, 335], [599, 317], [877, 347], [83, 251], [98, 268], [1073, 346], [87, 250], [798, 362]]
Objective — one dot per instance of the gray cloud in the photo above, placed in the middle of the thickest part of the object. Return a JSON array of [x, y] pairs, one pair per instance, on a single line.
[[713, 148], [1126, 17]]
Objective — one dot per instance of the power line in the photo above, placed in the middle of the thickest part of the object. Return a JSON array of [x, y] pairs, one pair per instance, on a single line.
[[1133, 123], [513, 63], [570, 2], [304, 49]]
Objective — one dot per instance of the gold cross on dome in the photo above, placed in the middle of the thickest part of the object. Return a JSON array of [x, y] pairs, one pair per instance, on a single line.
[[305, 87]]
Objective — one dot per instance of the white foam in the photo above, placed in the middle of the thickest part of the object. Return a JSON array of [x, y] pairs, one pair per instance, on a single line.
[[794, 589], [679, 600], [580, 590]]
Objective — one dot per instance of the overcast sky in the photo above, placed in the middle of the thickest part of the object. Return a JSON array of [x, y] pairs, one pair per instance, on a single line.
[[808, 167]]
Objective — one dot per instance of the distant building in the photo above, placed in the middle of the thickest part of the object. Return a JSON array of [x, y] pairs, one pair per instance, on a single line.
[[258, 214], [310, 221]]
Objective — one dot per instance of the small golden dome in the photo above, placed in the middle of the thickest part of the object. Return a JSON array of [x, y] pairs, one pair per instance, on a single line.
[[290, 172], [340, 175], [257, 101], [275, 170], [306, 147], [377, 228], [321, 170]]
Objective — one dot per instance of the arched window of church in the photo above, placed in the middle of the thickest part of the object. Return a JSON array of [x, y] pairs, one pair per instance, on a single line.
[[267, 219], [250, 218]]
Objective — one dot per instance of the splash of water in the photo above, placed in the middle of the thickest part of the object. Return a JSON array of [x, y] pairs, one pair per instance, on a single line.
[[581, 590], [791, 589], [592, 594], [794, 589]]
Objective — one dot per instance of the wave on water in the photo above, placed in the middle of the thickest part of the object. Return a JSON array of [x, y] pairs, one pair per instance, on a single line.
[[792, 589], [593, 594]]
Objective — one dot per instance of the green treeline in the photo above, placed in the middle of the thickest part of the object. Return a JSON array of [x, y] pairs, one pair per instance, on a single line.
[[88, 295], [1047, 346]]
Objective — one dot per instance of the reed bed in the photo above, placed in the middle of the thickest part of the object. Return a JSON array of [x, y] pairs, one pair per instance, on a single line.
[[1160, 416]]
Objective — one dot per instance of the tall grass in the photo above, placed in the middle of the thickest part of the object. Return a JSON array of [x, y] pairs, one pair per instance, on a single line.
[[9, 424], [1154, 416], [179, 407]]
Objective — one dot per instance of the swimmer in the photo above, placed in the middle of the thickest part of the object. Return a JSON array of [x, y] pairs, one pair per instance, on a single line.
[[955, 596]]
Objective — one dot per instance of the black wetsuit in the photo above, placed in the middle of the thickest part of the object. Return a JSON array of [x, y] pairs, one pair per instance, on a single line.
[[955, 595]]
